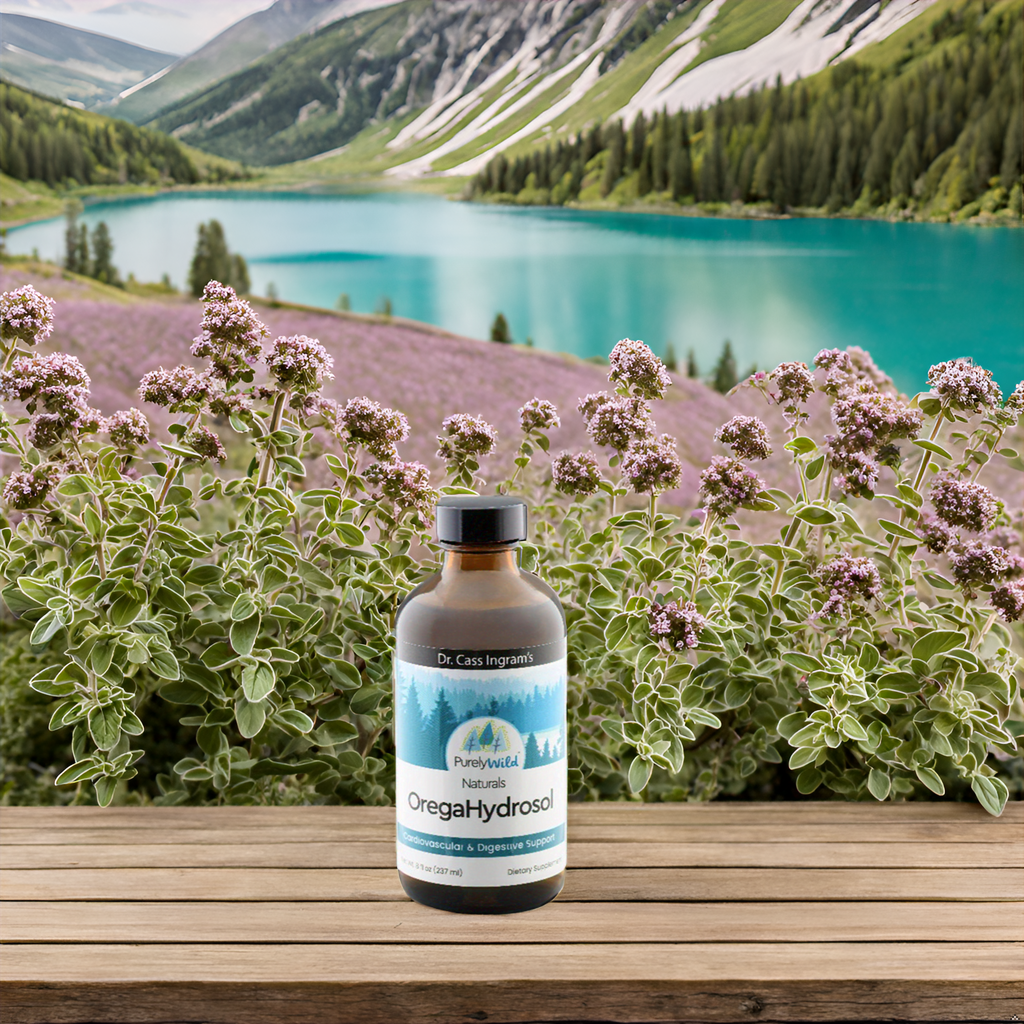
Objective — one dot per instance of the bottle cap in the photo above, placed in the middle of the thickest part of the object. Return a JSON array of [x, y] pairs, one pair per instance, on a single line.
[[480, 519]]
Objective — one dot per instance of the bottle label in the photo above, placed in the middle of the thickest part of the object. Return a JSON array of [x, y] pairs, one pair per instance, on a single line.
[[481, 783]]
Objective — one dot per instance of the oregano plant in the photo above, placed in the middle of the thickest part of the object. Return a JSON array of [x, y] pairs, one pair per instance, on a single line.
[[865, 653]]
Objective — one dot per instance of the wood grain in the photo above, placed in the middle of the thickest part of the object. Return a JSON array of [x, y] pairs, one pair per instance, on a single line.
[[973, 832], [506, 1002], [400, 964], [558, 922], [810, 911], [810, 812], [584, 884], [583, 855]]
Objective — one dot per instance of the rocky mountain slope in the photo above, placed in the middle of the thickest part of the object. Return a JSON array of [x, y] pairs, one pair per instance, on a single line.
[[441, 86], [70, 63], [245, 41]]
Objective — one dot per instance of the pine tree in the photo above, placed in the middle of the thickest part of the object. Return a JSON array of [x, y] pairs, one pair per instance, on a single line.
[[500, 331], [211, 260], [724, 377], [83, 261], [344, 303], [644, 177], [240, 274], [681, 182], [638, 138], [659, 154], [103, 268], [71, 211], [531, 755], [692, 370], [614, 161], [439, 728]]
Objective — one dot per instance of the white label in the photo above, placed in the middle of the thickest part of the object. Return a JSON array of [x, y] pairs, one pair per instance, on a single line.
[[481, 789]]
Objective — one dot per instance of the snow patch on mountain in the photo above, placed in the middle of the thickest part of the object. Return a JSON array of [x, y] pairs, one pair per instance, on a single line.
[[805, 43]]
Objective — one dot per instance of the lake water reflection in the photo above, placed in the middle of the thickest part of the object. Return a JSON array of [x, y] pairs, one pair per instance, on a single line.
[[578, 281]]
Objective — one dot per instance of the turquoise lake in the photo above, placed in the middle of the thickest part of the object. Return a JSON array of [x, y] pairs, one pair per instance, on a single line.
[[912, 294]]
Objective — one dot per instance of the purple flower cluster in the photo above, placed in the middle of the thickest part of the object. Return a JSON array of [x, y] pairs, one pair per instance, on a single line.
[[652, 465], [727, 484], [300, 364], [184, 387], [978, 564], [961, 503], [127, 428], [794, 383], [867, 369], [26, 315], [838, 367], [232, 334], [847, 580], [27, 490], [676, 625], [615, 420], [464, 436], [636, 367], [227, 404], [747, 436], [48, 430], [1015, 403], [963, 385], [869, 421], [869, 418], [538, 414], [937, 536], [206, 444], [1009, 600], [374, 426], [58, 382], [407, 484], [578, 475]]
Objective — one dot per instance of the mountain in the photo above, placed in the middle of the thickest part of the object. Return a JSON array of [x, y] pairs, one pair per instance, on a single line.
[[441, 86], [42, 140], [237, 46], [85, 67], [934, 128]]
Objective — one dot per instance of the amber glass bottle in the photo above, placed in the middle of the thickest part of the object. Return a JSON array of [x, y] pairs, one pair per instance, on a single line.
[[480, 729]]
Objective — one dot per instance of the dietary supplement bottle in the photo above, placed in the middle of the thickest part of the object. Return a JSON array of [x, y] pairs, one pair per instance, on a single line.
[[480, 728]]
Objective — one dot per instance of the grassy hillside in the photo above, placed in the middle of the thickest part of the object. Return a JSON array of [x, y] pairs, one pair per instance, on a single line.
[[927, 123]]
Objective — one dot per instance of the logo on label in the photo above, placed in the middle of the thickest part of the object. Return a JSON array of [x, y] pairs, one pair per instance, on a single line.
[[485, 744]]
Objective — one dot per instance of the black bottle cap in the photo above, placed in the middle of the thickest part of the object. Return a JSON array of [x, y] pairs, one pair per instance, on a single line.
[[480, 519]]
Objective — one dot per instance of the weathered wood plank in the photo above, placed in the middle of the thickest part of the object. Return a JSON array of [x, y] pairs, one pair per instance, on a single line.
[[509, 1002], [482, 962], [598, 884], [558, 922], [344, 831], [780, 813], [581, 855]]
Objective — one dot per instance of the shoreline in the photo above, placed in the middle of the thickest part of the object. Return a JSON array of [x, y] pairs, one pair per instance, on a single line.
[[448, 188]]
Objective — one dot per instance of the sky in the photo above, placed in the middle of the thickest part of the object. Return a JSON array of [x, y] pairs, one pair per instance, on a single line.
[[172, 26]]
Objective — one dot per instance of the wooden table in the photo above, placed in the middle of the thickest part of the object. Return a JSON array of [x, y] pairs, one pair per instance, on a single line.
[[721, 912]]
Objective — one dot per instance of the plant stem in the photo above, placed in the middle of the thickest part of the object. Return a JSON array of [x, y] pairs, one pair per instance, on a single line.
[[920, 476], [984, 631], [704, 531], [650, 512], [992, 447], [268, 455]]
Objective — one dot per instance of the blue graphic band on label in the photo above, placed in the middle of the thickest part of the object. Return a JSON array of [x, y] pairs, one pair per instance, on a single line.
[[459, 846]]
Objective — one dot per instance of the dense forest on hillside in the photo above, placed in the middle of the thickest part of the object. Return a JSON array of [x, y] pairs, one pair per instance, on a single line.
[[939, 132], [44, 140]]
